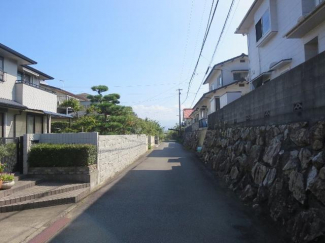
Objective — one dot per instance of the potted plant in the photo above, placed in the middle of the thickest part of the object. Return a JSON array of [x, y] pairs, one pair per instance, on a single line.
[[8, 181]]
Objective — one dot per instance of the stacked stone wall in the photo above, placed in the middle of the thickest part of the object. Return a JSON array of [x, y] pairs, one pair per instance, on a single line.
[[278, 169], [191, 140]]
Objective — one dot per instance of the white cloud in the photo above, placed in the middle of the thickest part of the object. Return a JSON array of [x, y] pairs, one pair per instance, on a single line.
[[166, 116]]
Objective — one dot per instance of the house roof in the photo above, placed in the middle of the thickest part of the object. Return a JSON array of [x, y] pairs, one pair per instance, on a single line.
[[63, 91], [248, 20], [11, 104], [43, 75], [16, 55], [187, 112], [84, 95], [221, 63]]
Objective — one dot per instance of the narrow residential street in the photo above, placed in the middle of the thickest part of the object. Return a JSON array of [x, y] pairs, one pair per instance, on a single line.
[[168, 197]]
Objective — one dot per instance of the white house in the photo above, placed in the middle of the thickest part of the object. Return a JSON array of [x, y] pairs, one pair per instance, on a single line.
[[282, 34], [25, 107], [227, 82]]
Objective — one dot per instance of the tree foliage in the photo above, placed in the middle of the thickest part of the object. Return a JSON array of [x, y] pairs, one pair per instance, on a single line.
[[107, 117], [73, 103]]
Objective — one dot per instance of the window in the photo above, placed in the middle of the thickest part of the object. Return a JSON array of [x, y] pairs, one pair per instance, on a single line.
[[1, 63], [219, 81], [311, 48], [1, 125], [1, 69], [217, 100], [263, 26], [34, 124], [239, 75], [24, 77]]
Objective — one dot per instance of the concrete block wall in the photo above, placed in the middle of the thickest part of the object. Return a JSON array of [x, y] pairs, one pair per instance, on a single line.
[[151, 141], [116, 152], [297, 95]]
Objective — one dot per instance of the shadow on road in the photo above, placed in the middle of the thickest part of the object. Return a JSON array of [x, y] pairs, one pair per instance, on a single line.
[[167, 198]]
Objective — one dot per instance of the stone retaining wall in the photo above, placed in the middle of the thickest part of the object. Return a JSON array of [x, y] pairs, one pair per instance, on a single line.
[[115, 153], [278, 169]]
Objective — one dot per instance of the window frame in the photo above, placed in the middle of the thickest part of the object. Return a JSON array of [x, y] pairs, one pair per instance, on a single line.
[[34, 122], [2, 122], [262, 31]]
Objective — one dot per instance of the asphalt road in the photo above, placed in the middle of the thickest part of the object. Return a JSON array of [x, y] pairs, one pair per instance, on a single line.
[[168, 197]]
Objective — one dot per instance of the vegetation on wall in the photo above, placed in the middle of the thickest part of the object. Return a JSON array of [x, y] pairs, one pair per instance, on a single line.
[[62, 155], [107, 117]]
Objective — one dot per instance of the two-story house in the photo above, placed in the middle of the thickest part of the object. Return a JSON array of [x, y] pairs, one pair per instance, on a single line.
[[63, 95], [25, 107], [227, 82], [281, 35]]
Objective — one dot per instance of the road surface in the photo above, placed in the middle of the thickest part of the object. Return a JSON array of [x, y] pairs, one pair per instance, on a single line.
[[168, 197]]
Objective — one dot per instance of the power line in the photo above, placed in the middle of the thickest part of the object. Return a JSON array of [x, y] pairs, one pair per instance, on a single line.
[[210, 20], [198, 34], [215, 49], [187, 37]]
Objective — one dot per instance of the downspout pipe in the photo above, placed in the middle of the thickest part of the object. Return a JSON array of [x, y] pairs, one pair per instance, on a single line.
[[15, 121]]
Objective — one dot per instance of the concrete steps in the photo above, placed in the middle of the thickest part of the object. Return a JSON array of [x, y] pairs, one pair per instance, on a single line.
[[36, 193]]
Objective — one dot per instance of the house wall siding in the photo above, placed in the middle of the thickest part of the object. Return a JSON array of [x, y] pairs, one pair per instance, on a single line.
[[278, 47], [7, 88], [35, 98], [226, 71]]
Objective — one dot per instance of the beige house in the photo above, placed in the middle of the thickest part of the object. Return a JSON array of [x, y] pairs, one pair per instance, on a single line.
[[63, 95], [25, 106]]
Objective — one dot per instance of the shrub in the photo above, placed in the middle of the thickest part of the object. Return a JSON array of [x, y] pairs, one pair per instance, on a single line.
[[62, 155], [7, 177]]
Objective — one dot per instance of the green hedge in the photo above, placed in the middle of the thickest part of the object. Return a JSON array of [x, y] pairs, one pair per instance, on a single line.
[[62, 155]]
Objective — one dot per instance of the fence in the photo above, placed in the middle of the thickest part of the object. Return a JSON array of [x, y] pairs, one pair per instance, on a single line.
[[11, 154]]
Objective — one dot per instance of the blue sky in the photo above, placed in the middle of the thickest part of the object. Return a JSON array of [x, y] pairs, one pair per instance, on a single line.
[[144, 50]]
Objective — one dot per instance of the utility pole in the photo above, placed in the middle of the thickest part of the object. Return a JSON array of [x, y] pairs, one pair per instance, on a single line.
[[179, 112]]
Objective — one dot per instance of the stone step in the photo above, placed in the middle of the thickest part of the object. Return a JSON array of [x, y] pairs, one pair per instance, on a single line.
[[20, 185], [41, 190], [47, 201]]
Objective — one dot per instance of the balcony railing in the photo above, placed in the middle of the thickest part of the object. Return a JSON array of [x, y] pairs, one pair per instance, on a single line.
[[33, 85], [203, 123]]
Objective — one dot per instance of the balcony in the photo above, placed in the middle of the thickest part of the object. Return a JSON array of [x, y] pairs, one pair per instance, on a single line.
[[309, 22], [35, 97], [203, 123]]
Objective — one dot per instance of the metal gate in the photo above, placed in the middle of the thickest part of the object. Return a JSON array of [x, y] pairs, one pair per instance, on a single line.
[[11, 153]]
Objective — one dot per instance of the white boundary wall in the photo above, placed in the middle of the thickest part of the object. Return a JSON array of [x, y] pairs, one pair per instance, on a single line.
[[115, 152]]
